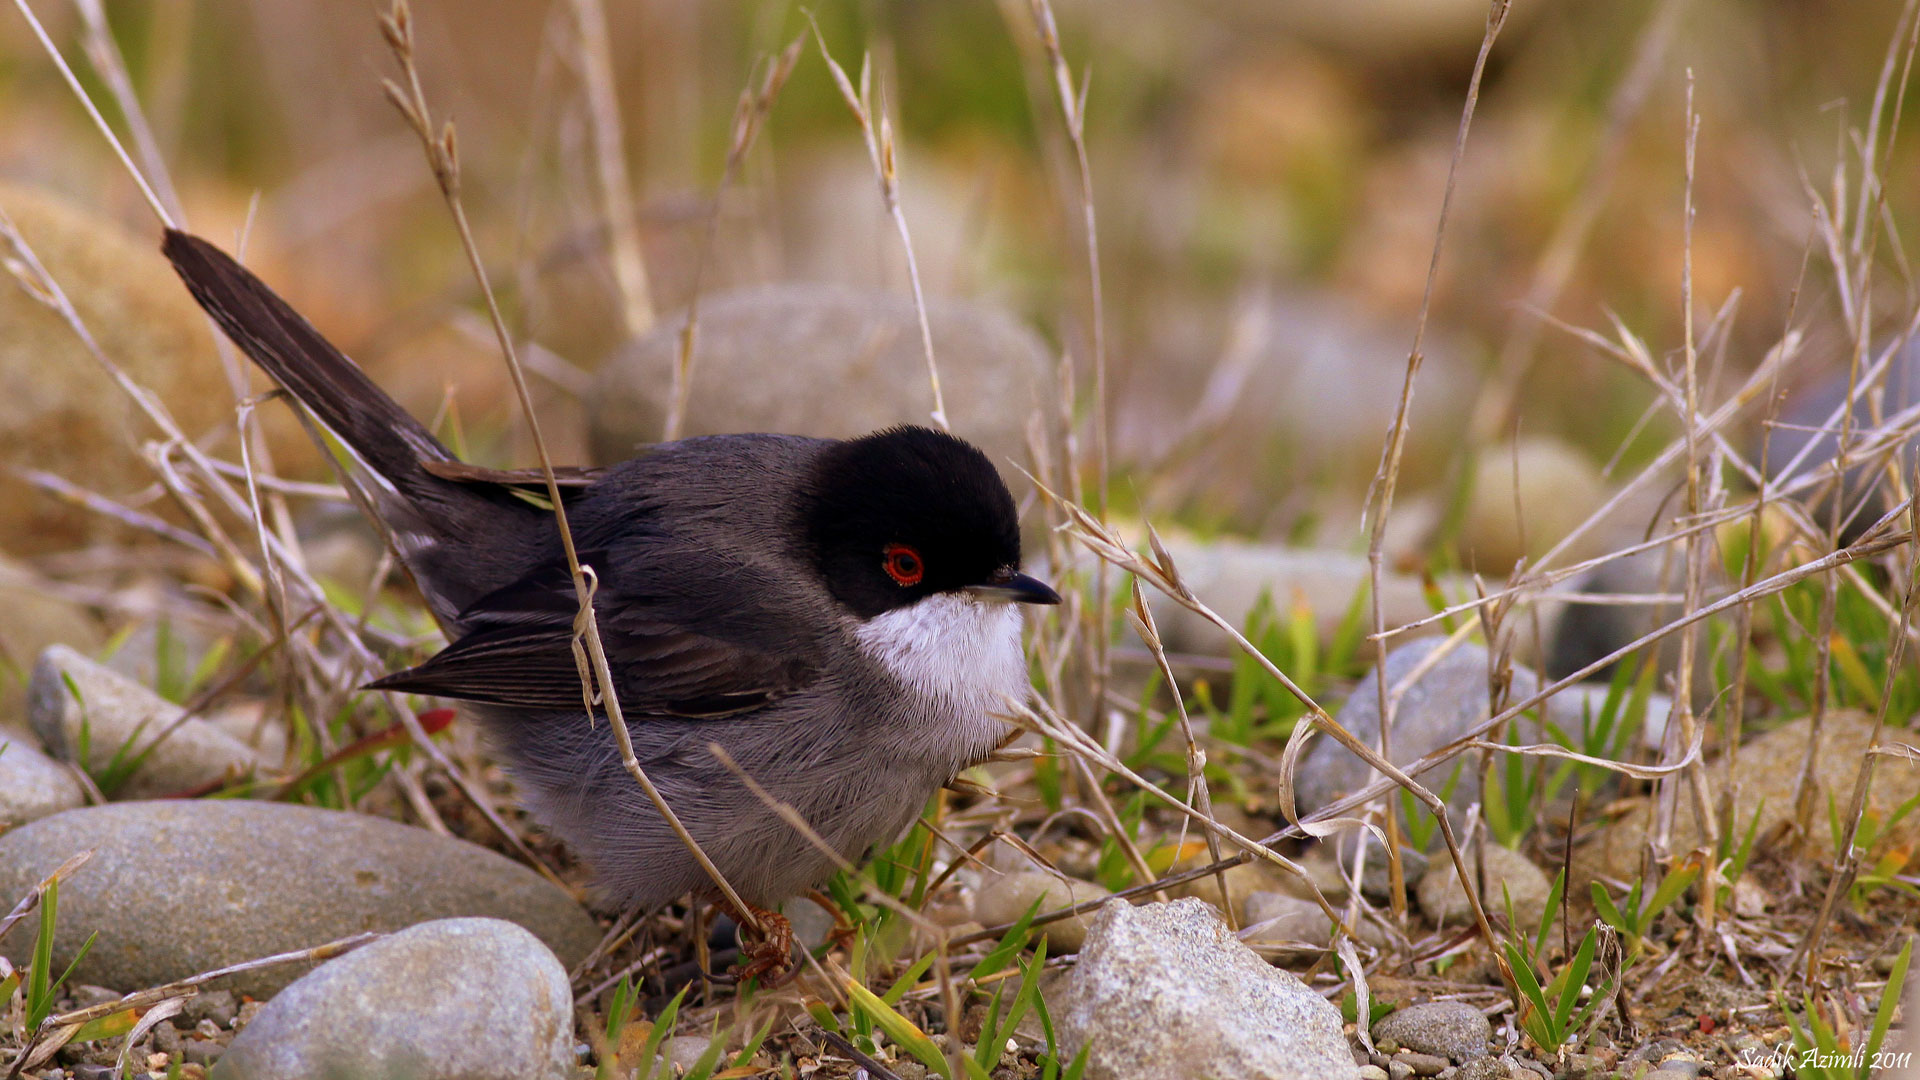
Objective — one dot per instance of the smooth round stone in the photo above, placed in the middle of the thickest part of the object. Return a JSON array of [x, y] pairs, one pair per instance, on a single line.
[[831, 361], [1165, 992], [453, 999], [72, 701], [1448, 1029], [180, 887], [33, 785], [1006, 898], [62, 413], [1509, 874]]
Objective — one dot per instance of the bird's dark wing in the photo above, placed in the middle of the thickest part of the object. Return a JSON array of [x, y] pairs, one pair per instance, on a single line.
[[565, 476], [519, 652]]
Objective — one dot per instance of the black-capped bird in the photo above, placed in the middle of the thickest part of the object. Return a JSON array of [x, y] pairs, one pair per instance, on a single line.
[[839, 616]]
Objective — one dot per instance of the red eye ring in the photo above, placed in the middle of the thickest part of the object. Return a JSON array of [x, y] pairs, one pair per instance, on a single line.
[[902, 564]]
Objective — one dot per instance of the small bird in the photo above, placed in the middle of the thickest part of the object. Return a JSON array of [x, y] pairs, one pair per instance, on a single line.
[[839, 616]]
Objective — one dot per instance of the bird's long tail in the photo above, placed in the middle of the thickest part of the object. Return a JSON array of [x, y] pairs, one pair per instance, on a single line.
[[384, 435]]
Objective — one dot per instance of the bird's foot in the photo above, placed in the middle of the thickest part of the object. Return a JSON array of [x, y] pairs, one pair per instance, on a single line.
[[767, 950]]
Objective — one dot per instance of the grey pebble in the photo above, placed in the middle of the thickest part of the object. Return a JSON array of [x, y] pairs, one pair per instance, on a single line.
[[1166, 992], [71, 700], [210, 1006], [1509, 876], [1399, 1070], [453, 999], [1449, 1029], [33, 785], [1424, 1064], [993, 370], [176, 888], [203, 1051], [1484, 1068], [1372, 1072], [1448, 699]]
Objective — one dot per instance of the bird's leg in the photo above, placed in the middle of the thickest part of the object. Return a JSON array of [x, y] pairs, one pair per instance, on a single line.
[[841, 936], [769, 950]]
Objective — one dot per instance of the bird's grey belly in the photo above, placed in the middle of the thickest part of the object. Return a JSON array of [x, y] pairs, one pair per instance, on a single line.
[[852, 798]]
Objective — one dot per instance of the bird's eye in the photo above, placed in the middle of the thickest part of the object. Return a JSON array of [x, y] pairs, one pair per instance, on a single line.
[[902, 564]]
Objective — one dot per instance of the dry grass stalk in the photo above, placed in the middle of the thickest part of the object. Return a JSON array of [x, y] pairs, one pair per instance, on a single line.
[[610, 161], [1078, 742], [799, 823], [1197, 791], [1493, 411], [191, 985], [1853, 264], [32, 900], [749, 114], [1695, 547], [1073, 113], [876, 129], [1380, 503], [1846, 857], [93, 112], [596, 679]]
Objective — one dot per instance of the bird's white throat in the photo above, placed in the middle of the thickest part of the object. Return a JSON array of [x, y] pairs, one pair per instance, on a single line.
[[958, 650]]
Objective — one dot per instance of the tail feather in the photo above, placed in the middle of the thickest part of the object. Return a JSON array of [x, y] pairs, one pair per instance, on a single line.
[[383, 434], [458, 537]]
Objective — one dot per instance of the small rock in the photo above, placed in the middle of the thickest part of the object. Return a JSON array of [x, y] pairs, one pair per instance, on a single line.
[[1657, 1052], [1750, 898], [684, 1051], [994, 372], [1447, 700], [180, 887], [1376, 880], [1484, 1068], [73, 701], [1243, 881], [167, 1038], [1769, 770], [1372, 1072], [33, 785], [64, 414], [1424, 1064], [202, 1051], [1508, 874], [1006, 898], [1584, 633], [1277, 919], [86, 996], [1233, 575], [1558, 487], [1398, 1070], [1165, 992], [216, 1007], [1449, 1029], [1808, 426], [36, 619], [452, 999]]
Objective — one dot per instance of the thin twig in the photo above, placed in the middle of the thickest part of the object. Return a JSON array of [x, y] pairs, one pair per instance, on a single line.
[[596, 683], [1380, 507], [880, 152], [610, 159], [748, 116]]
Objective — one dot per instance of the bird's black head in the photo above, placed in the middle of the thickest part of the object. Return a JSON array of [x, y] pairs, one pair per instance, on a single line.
[[906, 513]]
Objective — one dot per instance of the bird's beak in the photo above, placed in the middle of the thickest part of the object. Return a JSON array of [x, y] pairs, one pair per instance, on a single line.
[[1010, 586]]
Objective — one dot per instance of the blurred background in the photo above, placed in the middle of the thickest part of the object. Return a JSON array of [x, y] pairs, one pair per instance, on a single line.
[[1266, 179]]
